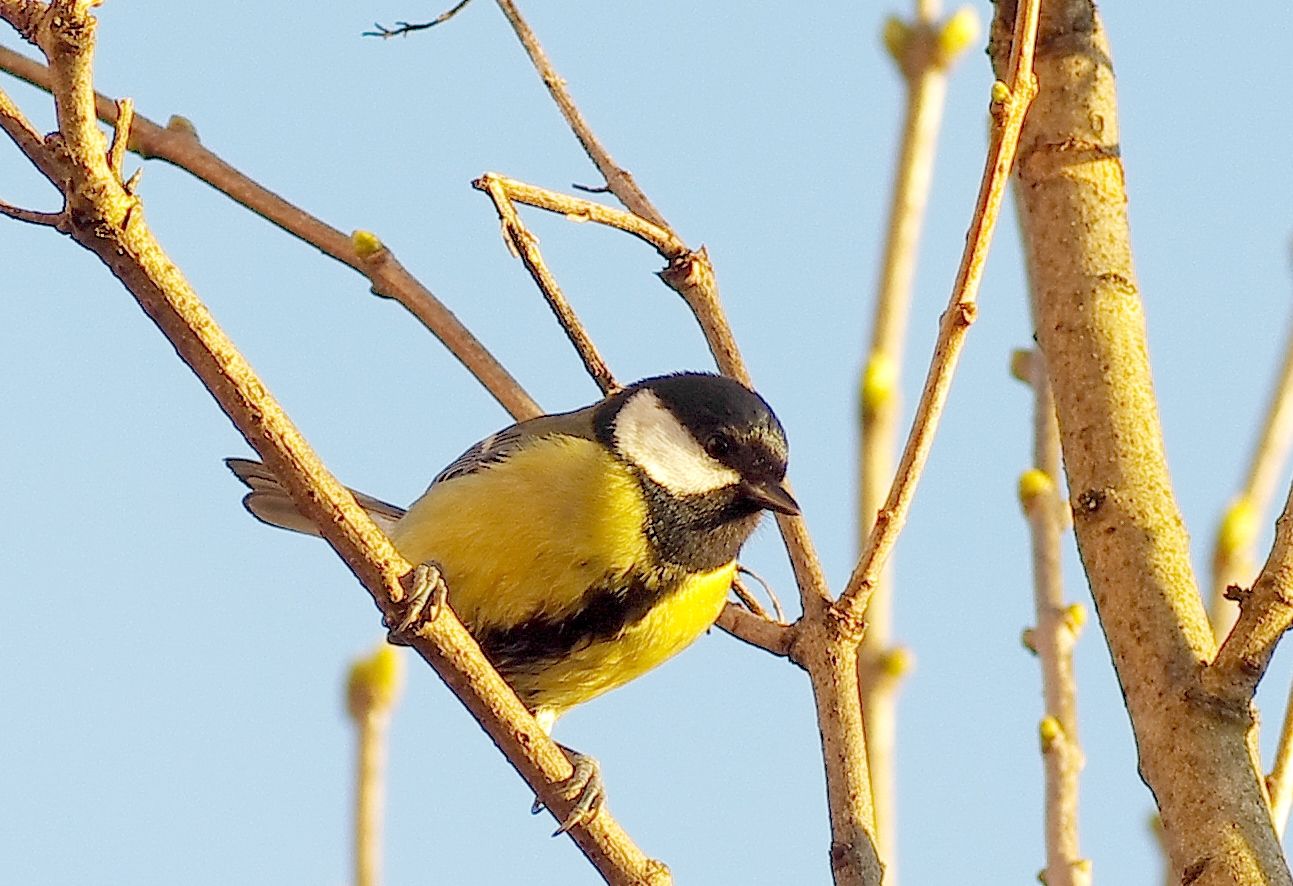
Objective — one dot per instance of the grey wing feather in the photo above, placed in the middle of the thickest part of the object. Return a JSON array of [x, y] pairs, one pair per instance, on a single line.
[[498, 446], [269, 502]]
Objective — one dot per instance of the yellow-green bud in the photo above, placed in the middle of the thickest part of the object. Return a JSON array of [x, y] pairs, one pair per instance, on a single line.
[[366, 243], [896, 35], [1021, 364], [1050, 731], [1238, 527], [956, 35], [374, 683], [1075, 618], [897, 662], [1033, 484], [1000, 93], [183, 126], [1028, 637], [879, 380]]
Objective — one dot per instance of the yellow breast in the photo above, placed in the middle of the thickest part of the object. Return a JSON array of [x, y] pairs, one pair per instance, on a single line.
[[523, 541]]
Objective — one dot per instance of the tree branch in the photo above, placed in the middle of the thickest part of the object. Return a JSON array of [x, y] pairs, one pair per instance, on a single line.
[[1052, 639], [1193, 745], [1265, 613], [177, 143], [824, 646], [56, 220], [618, 180], [108, 221], [577, 209], [1010, 101], [923, 50], [525, 246], [1279, 784], [1233, 550]]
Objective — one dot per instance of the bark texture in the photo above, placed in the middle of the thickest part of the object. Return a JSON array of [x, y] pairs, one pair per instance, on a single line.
[[1194, 749]]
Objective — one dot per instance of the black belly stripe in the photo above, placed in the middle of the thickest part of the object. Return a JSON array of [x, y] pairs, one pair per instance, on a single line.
[[605, 610]]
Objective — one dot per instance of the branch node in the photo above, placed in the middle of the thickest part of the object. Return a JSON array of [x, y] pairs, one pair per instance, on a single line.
[[1090, 501], [847, 625], [1238, 594]]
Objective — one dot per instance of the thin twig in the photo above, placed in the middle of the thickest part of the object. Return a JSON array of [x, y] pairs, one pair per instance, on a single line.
[[401, 29], [923, 50], [1233, 552], [31, 216], [1279, 784], [1010, 101], [121, 137], [373, 687], [767, 589], [618, 180], [526, 247], [1053, 639], [104, 223], [577, 209], [748, 600], [404, 28], [370, 767], [757, 631], [1265, 614], [178, 145], [16, 125]]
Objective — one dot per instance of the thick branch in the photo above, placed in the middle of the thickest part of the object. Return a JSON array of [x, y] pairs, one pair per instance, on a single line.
[[1194, 749]]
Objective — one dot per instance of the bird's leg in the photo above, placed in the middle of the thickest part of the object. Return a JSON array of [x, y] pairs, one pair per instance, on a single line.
[[426, 597], [584, 787]]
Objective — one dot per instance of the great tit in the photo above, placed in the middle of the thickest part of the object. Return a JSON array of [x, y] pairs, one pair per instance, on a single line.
[[583, 549]]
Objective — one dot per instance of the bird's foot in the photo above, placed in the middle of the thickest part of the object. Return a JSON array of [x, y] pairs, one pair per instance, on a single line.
[[426, 597], [584, 787]]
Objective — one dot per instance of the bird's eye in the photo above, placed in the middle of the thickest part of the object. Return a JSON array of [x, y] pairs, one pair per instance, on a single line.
[[718, 445]]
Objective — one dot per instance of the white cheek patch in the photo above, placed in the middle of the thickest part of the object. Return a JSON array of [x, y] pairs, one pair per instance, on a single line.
[[648, 435]]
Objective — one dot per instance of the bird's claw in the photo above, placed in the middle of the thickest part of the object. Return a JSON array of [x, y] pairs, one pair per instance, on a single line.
[[427, 594], [584, 787]]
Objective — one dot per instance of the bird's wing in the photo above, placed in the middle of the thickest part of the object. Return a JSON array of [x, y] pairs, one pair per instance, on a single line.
[[269, 502], [498, 446]]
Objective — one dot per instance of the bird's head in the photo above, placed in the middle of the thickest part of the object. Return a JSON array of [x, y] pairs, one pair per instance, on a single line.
[[697, 435]]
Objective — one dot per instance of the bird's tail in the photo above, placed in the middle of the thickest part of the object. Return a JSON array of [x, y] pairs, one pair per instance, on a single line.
[[269, 502]]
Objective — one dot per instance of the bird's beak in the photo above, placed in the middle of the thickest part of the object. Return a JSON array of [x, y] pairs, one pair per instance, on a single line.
[[773, 496]]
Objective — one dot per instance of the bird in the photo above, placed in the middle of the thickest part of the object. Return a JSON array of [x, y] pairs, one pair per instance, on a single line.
[[582, 549]]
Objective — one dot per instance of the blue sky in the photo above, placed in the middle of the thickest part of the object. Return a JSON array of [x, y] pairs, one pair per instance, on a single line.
[[173, 670]]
